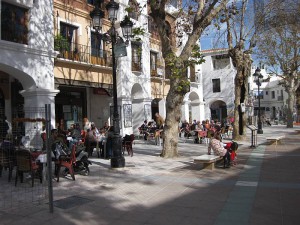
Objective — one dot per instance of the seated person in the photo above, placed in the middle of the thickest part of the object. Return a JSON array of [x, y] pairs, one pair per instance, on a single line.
[[217, 146], [106, 126], [144, 129], [76, 132]]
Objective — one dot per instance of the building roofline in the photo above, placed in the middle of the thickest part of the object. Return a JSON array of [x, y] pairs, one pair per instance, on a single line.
[[214, 51]]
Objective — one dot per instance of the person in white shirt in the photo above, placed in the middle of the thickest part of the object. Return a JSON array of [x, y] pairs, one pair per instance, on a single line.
[[217, 146]]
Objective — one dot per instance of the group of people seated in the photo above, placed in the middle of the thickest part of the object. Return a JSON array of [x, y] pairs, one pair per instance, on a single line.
[[88, 137], [192, 129], [152, 127]]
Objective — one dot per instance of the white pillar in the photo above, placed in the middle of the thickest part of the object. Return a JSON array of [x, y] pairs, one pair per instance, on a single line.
[[34, 107]]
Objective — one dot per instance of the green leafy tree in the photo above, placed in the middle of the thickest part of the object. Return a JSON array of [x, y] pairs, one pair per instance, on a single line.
[[192, 19]]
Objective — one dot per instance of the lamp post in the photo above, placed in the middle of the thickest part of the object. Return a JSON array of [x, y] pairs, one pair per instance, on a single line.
[[117, 160], [258, 82]]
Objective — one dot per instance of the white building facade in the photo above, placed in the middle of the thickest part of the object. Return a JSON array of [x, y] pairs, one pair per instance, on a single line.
[[218, 85], [273, 98], [26, 58]]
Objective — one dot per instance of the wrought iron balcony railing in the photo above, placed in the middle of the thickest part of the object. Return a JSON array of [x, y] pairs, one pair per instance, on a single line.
[[14, 34], [279, 98], [82, 53]]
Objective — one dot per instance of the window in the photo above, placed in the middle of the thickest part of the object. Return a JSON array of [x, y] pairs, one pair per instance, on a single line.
[[258, 95], [216, 85], [96, 45], [221, 62], [266, 92], [14, 23], [273, 94], [69, 32], [192, 73], [153, 62], [134, 10], [136, 56]]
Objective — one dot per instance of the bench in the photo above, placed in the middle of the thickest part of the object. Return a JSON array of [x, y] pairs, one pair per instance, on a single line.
[[275, 139], [208, 160]]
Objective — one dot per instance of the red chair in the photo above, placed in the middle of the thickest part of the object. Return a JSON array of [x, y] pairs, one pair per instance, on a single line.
[[66, 161]]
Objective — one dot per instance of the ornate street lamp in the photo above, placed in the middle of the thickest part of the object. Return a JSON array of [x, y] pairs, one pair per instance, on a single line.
[[257, 78], [117, 43]]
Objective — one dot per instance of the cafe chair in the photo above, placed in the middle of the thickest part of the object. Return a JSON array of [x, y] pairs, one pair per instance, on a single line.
[[25, 164], [6, 162], [127, 144], [66, 161]]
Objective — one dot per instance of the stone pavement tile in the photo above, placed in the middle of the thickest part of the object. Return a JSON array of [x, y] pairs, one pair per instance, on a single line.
[[219, 194], [290, 201], [267, 205], [207, 220], [263, 218], [229, 217], [291, 220], [160, 219], [209, 209]]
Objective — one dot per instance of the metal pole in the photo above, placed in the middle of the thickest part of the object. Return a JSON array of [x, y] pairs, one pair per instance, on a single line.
[[49, 161], [117, 160], [259, 131]]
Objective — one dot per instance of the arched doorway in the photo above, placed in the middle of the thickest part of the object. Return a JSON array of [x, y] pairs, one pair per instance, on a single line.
[[194, 106], [218, 111], [137, 97], [155, 107]]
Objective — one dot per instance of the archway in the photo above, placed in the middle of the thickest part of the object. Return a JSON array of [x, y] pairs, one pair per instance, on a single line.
[[194, 106], [155, 107], [137, 97], [218, 110]]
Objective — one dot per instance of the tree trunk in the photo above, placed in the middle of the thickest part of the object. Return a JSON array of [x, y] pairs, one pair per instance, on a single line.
[[173, 108], [290, 109], [242, 63]]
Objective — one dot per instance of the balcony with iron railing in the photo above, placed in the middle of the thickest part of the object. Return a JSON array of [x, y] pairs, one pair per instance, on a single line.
[[279, 98], [15, 34], [157, 71], [82, 53]]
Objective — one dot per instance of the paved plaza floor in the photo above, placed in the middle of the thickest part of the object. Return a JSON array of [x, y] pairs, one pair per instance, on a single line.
[[262, 189]]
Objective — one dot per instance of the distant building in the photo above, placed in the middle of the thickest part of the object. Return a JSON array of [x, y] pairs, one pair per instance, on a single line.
[[218, 84], [273, 103]]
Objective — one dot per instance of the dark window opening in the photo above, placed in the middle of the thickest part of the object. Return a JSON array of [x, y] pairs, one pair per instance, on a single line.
[[216, 85], [14, 23]]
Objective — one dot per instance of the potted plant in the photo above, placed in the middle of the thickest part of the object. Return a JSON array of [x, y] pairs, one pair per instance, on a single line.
[[61, 44]]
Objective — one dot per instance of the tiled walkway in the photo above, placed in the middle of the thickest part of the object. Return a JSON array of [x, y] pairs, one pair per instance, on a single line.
[[264, 188]]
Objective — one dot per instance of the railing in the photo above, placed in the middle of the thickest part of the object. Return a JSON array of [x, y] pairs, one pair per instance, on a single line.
[[82, 53], [16, 35], [158, 72]]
